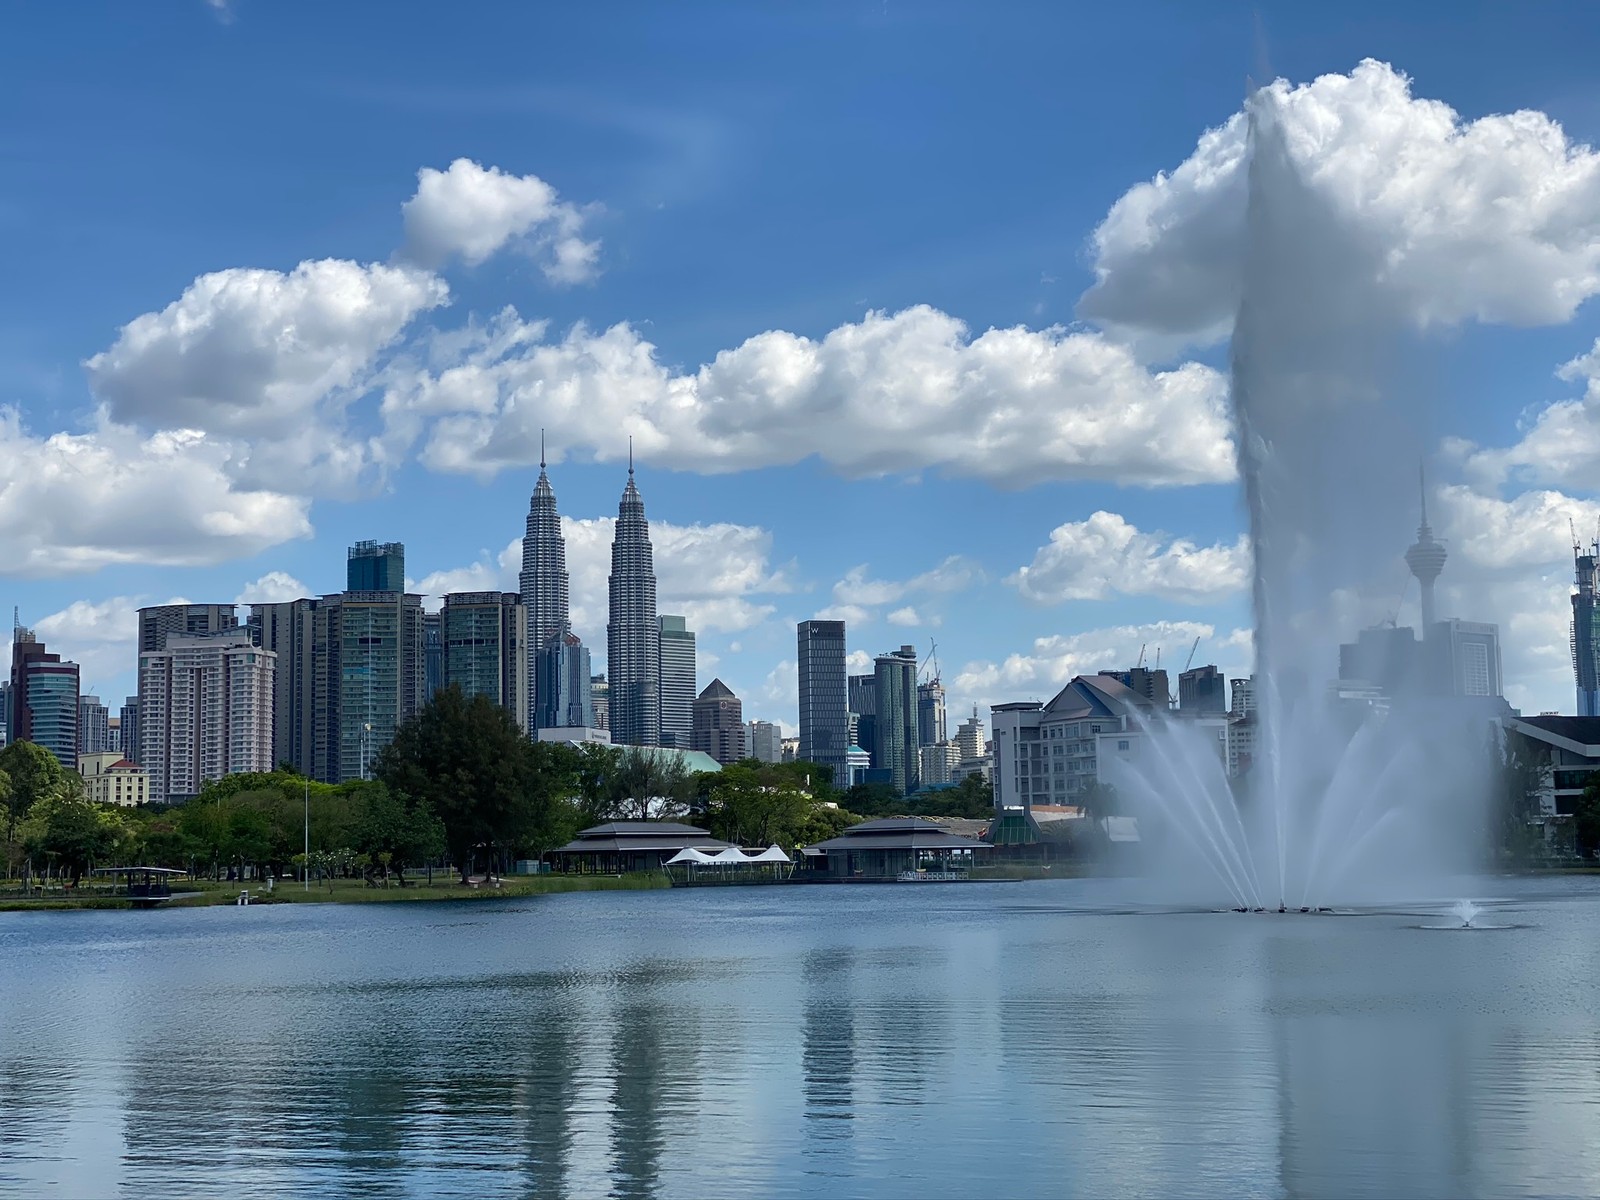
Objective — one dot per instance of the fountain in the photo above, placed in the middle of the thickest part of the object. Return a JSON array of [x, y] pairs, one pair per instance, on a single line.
[[1465, 910], [1344, 803]]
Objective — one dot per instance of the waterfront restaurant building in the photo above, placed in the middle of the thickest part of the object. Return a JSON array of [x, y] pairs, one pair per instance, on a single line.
[[623, 846], [884, 849]]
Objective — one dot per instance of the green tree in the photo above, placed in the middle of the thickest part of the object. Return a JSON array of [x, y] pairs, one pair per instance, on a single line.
[[65, 828], [873, 799], [646, 783], [33, 773], [749, 805], [392, 833], [471, 765]]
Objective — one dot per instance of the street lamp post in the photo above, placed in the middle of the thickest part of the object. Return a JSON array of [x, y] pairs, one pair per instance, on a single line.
[[305, 873]]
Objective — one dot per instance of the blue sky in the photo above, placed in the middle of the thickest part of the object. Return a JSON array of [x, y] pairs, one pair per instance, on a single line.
[[728, 170]]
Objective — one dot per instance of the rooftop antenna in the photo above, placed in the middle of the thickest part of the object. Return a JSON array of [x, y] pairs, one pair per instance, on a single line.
[[541, 449], [630, 456]]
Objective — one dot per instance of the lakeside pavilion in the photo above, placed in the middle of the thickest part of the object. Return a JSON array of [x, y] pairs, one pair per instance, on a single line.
[[622, 846], [885, 848]]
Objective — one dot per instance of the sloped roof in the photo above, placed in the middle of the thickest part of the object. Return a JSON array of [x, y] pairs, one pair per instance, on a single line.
[[641, 829], [716, 690]]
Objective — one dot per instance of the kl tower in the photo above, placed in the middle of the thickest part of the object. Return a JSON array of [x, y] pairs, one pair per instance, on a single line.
[[1426, 559]]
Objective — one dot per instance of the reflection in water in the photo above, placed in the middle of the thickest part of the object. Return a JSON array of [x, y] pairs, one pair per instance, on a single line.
[[904, 1042]]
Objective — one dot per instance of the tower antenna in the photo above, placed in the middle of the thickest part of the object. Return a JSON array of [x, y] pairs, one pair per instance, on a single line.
[[541, 449], [630, 455]]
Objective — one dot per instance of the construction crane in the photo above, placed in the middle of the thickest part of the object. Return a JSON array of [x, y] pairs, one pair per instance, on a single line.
[[1140, 663], [930, 665], [1192, 650]]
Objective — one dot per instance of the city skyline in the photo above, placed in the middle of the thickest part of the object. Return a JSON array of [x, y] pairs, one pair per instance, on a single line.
[[787, 395]]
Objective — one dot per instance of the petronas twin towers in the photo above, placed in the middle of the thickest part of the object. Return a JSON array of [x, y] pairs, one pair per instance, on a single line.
[[633, 637]]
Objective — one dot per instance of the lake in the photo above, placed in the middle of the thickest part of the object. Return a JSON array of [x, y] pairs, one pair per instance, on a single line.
[[1000, 1040]]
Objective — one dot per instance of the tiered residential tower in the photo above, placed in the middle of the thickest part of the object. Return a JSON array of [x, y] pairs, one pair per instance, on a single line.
[[543, 583], [633, 638]]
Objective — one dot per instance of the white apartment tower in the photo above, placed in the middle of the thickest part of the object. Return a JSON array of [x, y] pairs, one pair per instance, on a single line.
[[206, 707]]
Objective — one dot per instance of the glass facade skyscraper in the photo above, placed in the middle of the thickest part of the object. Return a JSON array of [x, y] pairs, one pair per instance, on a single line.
[[543, 584], [565, 698], [824, 701], [677, 682], [899, 740], [43, 699], [482, 634], [633, 638], [376, 567]]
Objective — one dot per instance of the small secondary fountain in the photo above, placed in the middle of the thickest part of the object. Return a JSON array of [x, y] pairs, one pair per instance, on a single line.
[[1464, 910], [1343, 803]]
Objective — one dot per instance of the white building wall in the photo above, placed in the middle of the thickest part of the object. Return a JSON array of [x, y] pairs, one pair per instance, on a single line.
[[205, 712]]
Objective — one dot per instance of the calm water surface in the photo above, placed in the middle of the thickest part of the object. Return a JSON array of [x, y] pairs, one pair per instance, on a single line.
[[986, 1040]]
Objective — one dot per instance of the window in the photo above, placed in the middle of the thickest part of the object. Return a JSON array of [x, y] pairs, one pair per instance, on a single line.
[[1123, 744]]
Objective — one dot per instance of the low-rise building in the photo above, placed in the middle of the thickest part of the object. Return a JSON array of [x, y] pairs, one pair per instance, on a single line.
[[1565, 753], [1049, 753], [888, 848], [622, 846], [108, 778]]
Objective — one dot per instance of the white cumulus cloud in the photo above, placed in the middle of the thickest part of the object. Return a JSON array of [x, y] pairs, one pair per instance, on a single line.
[[275, 587], [1105, 555], [472, 212], [1493, 219], [899, 392], [75, 502]]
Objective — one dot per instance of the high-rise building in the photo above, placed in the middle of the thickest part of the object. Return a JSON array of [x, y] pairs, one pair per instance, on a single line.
[[368, 677], [600, 701], [1203, 689], [677, 681], [205, 712], [287, 629], [936, 763], [566, 689], [1149, 682], [930, 713], [824, 699], [862, 694], [5, 711], [130, 728], [162, 621], [764, 741], [719, 723], [1586, 629], [1242, 693], [633, 639], [43, 699], [433, 655], [1465, 658], [543, 581], [114, 729], [94, 726], [1426, 559], [899, 741], [969, 738], [482, 634], [376, 567]]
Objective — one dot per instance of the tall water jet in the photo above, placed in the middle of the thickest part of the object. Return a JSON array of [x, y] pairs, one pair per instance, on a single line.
[[1330, 398]]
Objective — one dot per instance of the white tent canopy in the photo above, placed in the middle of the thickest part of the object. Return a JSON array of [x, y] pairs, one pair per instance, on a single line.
[[690, 855], [731, 855], [772, 854]]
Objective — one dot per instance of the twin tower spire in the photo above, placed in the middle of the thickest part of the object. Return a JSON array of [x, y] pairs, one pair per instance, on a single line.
[[633, 636]]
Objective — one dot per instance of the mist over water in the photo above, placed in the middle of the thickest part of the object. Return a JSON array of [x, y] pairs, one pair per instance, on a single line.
[[1331, 392]]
